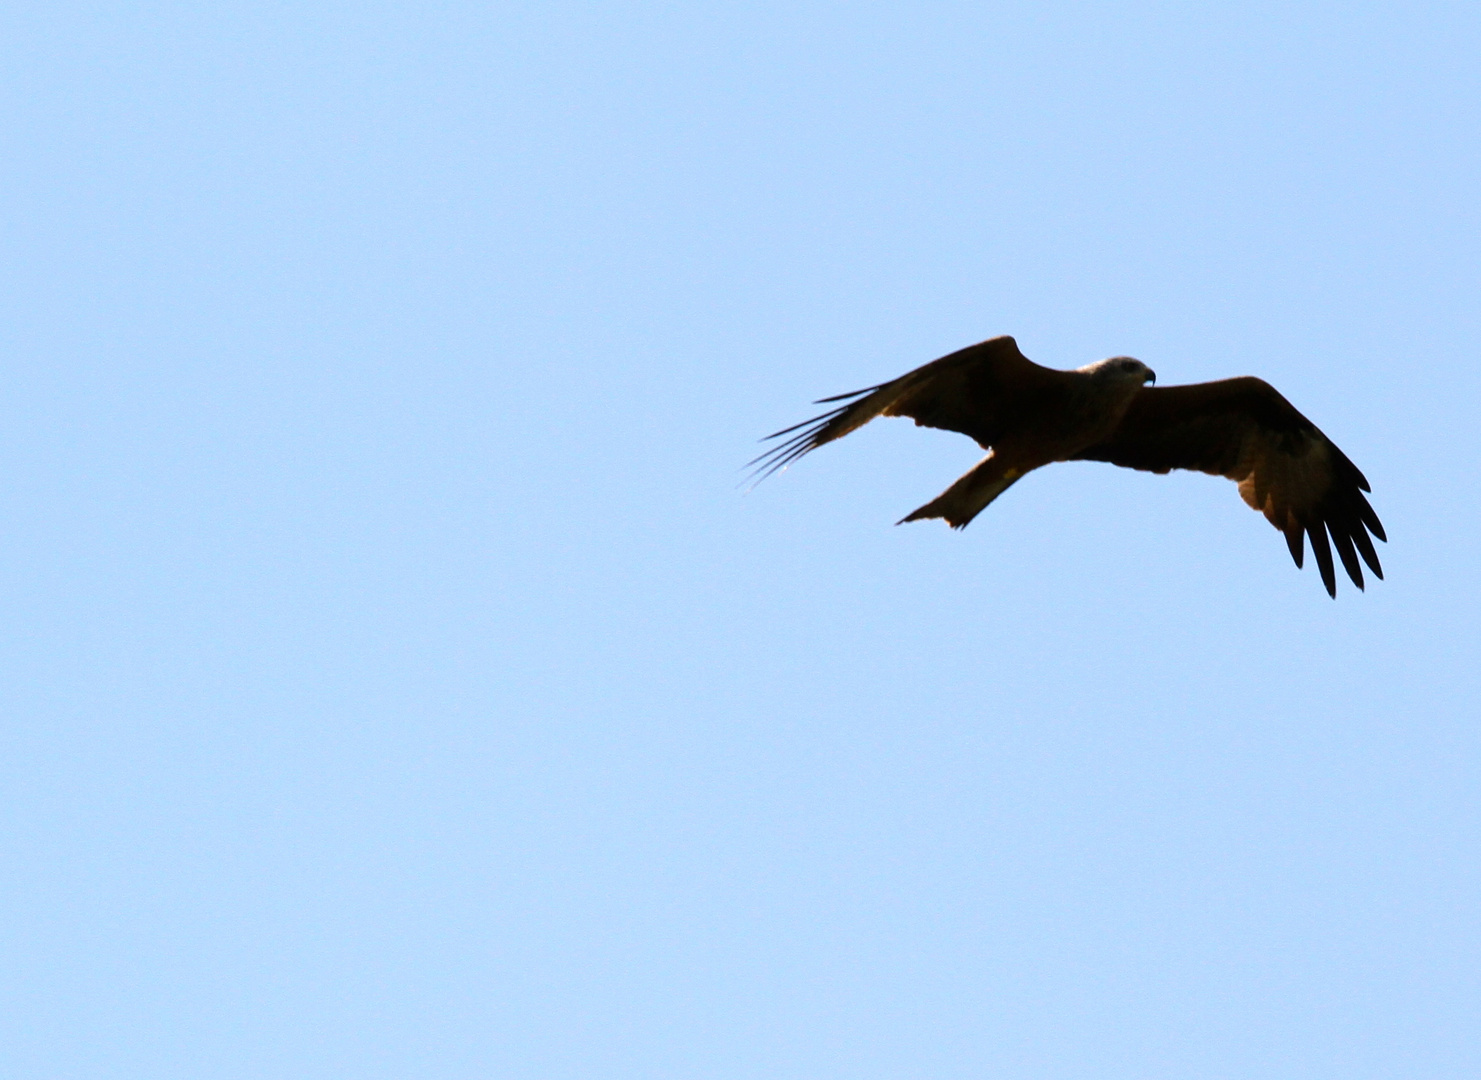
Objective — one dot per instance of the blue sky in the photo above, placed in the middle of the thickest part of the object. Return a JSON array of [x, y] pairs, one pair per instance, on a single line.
[[397, 681]]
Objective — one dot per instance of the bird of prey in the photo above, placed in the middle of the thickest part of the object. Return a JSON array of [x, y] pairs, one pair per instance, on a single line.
[[1026, 416]]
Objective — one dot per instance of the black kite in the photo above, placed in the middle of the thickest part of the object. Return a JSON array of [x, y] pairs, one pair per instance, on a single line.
[[1026, 416]]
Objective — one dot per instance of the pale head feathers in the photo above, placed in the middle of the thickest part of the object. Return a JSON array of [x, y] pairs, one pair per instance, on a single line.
[[1120, 369]]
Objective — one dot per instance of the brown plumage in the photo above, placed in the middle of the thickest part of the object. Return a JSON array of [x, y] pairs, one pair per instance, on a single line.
[[1028, 416]]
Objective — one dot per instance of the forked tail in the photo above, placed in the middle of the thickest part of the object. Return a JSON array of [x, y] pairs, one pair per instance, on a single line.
[[970, 495]]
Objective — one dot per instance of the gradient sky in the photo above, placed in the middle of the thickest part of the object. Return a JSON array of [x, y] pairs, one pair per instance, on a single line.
[[397, 682]]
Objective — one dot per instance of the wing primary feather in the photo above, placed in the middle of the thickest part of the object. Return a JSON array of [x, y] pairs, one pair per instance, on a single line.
[[824, 428], [850, 394], [1365, 548], [819, 420], [1343, 540], [1317, 530], [781, 449], [777, 459], [1370, 519], [1296, 541], [783, 454]]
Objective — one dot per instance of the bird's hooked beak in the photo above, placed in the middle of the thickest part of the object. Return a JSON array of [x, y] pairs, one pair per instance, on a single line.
[[1151, 376]]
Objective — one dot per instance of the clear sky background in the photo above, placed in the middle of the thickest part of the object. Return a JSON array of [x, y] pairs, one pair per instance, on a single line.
[[397, 683]]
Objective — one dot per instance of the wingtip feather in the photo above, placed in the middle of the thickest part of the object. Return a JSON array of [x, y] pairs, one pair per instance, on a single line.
[[1323, 552], [845, 397], [1296, 541], [1348, 554], [1365, 549]]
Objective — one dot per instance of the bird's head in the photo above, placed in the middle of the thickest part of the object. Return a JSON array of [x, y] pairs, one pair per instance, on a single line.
[[1121, 369]]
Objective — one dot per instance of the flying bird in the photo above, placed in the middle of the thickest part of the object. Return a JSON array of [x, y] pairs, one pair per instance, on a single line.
[[1027, 416]]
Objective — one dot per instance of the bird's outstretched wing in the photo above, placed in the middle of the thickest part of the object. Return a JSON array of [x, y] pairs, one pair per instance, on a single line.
[[1285, 467], [976, 391]]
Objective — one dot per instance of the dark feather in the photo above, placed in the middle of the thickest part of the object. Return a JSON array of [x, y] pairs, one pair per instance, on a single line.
[[1296, 541], [1323, 552]]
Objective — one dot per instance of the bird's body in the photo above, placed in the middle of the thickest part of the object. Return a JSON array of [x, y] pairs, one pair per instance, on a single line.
[[1028, 416]]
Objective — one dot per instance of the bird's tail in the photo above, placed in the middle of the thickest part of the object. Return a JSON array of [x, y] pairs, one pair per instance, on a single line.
[[970, 495]]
